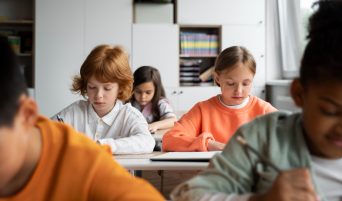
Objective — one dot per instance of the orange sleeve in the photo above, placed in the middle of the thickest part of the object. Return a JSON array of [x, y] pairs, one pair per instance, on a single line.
[[112, 182], [186, 134], [269, 108]]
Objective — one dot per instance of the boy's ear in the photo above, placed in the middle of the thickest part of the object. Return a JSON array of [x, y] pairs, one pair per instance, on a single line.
[[297, 91], [28, 111]]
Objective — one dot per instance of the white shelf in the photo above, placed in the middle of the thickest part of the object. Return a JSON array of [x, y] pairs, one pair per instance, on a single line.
[[198, 56]]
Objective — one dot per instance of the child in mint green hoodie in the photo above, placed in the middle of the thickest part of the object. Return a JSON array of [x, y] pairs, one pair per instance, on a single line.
[[306, 147]]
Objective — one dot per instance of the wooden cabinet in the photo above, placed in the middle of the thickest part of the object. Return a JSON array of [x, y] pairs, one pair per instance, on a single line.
[[220, 11]]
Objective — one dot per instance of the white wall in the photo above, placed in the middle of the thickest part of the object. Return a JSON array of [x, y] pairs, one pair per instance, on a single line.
[[108, 21], [66, 31], [59, 52], [220, 11]]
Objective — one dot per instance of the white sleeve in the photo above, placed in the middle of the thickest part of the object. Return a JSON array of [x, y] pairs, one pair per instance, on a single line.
[[225, 197], [135, 136]]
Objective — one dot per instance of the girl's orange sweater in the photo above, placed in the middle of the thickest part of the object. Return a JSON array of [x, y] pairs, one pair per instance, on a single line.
[[211, 120]]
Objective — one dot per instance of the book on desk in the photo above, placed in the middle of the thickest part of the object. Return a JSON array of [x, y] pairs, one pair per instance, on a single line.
[[185, 156]]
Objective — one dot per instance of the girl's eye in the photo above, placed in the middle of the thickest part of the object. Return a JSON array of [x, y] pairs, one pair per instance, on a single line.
[[328, 112], [91, 87], [246, 84], [107, 89], [230, 83]]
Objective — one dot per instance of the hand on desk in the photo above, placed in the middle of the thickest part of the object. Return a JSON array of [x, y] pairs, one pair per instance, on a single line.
[[290, 185], [162, 124], [215, 146], [153, 127]]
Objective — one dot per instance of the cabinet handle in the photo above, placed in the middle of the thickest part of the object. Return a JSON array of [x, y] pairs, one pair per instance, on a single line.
[[262, 56], [180, 92], [174, 92]]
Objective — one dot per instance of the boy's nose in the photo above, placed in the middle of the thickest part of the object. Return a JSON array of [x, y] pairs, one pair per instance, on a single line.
[[99, 94]]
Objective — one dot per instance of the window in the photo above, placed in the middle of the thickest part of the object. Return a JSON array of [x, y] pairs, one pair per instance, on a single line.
[[306, 11]]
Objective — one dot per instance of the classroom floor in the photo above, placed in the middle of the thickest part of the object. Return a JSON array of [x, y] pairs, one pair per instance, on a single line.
[[165, 181]]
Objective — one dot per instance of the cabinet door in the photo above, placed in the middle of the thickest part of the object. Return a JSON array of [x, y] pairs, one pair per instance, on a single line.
[[172, 94], [189, 96], [108, 22], [220, 11], [183, 99], [253, 38], [157, 45], [58, 51], [259, 92]]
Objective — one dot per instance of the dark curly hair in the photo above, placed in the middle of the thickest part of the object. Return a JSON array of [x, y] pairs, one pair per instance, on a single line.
[[322, 59]]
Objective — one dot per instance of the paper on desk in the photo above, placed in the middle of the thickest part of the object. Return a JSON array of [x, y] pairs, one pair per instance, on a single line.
[[185, 156]]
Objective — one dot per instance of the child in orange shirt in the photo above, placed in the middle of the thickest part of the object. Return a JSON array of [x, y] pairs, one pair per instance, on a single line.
[[210, 124], [300, 154], [43, 160]]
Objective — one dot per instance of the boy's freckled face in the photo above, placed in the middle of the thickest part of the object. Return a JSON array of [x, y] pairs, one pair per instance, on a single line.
[[144, 93], [322, 119], [102, 96], [12, 152]]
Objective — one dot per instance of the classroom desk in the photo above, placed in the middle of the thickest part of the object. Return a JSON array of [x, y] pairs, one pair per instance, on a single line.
[[143, 162]]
